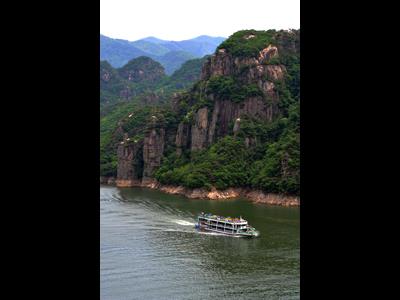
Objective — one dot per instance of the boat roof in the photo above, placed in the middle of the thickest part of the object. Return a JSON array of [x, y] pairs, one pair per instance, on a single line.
[[223, 219]]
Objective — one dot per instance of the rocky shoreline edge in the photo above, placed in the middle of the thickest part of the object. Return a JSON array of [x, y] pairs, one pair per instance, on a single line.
[[255, 196]]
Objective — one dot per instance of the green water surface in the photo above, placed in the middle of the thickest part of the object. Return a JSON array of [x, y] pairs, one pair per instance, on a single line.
[[150, 249]]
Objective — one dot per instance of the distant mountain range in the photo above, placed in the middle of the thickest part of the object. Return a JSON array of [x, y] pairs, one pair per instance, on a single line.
[[170, 54]]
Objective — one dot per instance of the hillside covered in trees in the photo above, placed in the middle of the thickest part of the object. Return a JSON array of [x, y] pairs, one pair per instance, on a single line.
[[237, 126], [121, 92], [143, 81]]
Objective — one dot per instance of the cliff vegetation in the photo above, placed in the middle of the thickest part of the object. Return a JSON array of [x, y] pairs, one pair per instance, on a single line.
[[237, 126]]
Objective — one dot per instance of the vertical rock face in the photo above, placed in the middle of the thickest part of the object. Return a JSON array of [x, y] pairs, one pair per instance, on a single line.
[[220, 120], [218, 64], [199, 130], [182, 138], [213, 123], [127, 164], [153, 149], [209, 125], [138, 159], [226, 112], [224, 64]]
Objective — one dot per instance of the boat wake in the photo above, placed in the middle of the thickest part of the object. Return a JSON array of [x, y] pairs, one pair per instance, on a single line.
[[183, 223]]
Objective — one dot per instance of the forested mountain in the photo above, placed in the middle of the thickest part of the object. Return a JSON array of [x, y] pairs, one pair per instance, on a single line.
[[138, 76], [186, 75], [143, 81], [237, 126]]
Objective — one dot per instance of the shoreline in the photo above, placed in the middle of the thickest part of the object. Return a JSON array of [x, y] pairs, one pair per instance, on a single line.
[[255, 196]]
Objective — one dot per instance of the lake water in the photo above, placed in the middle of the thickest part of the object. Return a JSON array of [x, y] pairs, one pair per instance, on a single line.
[[150, 250]]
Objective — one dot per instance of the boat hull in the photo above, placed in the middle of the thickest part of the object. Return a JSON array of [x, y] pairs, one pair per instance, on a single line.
[[234, 234]]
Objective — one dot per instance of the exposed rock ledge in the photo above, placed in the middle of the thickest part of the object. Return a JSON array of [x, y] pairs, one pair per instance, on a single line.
[[201, 193], [255, 196], [272, 199], [231, 193]]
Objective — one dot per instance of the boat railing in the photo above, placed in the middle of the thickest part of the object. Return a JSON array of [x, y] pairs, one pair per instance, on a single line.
[[222, 219]]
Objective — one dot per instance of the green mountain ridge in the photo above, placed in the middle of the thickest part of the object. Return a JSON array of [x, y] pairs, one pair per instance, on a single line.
[[237, 126], [143, 80]]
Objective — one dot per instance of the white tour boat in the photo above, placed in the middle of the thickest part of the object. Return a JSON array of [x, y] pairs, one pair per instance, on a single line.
[[226, 225]]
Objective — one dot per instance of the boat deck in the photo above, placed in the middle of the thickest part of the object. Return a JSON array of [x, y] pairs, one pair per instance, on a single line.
[[223, 219]]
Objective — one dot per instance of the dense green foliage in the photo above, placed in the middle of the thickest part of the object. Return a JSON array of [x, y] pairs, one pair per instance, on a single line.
[[227, 88], [247, 43], [186, 75], [116, 88], [222, 166], [279, 169], [123, 84], [273, 165], [263, 154], [142, 70]]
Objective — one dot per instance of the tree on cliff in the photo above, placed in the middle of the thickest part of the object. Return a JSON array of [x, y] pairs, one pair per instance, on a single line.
[[236, 127]]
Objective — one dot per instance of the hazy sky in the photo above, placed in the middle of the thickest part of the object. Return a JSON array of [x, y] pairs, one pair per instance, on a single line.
[[185, 19]]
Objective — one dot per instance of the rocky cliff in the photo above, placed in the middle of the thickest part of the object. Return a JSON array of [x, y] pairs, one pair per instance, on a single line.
[[240, 87], [153, 150], [215, 121], [128, 170]]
